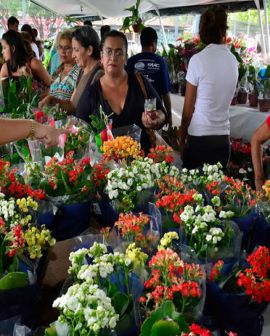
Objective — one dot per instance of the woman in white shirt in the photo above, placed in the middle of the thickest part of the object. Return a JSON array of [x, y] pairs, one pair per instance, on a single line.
[[211, 81]]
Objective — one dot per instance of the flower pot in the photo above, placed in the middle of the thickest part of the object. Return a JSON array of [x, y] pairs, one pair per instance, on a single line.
[[253, 100], [264, 105], [234, 311], [242, 97], [137, 27], [108, 215], [69, 221], [20, 302], [234, 101]]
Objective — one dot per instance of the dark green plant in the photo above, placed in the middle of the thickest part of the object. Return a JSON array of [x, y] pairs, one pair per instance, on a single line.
[[19, 98], [134, 19], [252, 79]]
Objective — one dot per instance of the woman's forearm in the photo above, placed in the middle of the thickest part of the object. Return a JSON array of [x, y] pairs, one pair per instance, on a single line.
[[256, 153], [64, 104], [14, 129]]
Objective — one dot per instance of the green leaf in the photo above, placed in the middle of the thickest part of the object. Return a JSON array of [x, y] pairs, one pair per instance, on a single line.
[[165, 327], [14, 280], [163, 312], [51, 331], [120, 302]]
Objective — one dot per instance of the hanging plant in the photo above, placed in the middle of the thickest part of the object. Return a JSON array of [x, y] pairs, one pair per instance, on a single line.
[[134, 20]]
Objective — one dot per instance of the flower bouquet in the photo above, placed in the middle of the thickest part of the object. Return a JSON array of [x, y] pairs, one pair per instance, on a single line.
[[161, 153], [173, 292], [208, 232], [101, 126], [69, 178], [100, 301], [121, 148], [68, 188], [21, 246], [137, 228], [132, 184], [239, 293]]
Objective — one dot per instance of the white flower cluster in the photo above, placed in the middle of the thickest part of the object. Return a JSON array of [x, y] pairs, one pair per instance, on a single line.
[[209, 174], [141, 175], [203, 225], [102, 263], [87, 307], [7, 208]]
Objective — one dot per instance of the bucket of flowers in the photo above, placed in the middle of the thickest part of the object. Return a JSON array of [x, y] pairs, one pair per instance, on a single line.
[[238, 294]]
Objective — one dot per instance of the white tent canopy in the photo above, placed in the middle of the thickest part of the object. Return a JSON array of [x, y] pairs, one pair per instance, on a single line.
[[116, 8]]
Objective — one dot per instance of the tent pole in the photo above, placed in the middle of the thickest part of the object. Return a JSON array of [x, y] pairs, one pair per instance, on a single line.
[[261, 26], [161, 24], [267, 27]]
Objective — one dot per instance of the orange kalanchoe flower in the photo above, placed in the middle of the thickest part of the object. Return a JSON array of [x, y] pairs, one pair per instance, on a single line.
[[122, 147]]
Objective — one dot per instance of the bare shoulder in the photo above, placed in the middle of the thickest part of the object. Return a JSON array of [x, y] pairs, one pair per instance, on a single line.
[[4, 70]]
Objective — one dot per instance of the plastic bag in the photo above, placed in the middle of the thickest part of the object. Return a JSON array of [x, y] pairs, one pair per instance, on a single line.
[[21, 330], [7, 326], [132, 131]]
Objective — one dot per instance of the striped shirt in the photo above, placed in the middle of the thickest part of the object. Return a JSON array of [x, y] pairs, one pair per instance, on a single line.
[[63, 89]]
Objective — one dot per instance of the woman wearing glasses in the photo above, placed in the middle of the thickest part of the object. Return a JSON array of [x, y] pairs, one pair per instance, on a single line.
[[120, 93], [66, 76], [86, 53]]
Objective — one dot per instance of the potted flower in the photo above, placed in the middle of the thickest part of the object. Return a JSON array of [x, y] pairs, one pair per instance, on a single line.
[[134, 20], [238, 294], [21, 246], [68, 187], [102, 293], [254, 93], [173, 292], [264, 89]]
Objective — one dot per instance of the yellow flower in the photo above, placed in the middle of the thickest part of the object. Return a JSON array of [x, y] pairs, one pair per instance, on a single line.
[[167, 239], [136, 255]]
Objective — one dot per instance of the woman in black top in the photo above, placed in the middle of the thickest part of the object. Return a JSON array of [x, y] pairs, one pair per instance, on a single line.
[[121, 93]]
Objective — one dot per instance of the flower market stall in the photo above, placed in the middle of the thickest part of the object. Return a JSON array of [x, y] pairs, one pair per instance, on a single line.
[[99, 238]]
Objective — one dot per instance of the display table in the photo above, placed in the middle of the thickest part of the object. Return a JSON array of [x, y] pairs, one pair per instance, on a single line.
[[243, 119]]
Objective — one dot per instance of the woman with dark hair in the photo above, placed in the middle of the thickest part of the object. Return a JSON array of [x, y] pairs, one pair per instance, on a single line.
[[86, 53], [211, 81], [15, 55], [41, 78], [27, 28], [119, 93]]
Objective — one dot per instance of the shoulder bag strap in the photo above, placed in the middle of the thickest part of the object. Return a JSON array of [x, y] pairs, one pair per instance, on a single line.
[[141, 82]]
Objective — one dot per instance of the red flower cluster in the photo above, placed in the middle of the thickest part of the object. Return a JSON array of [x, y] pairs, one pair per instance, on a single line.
[[161, 153], [132, 226], [196, 330], [175, 203], [170, 275], [238, 146], [168, 184], [14, 187], [15, 241], [216, 270], [69, 176], [213, 187], [99, 177], [256, 280]]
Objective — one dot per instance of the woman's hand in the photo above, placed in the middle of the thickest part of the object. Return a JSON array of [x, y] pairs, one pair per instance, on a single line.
[[48, 134], [153, 119], [44, 102]]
